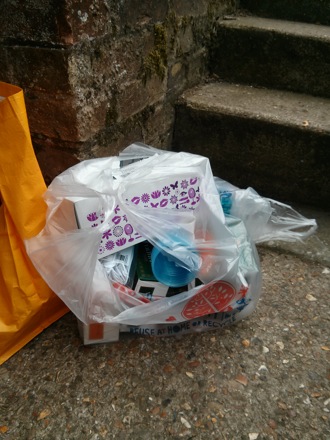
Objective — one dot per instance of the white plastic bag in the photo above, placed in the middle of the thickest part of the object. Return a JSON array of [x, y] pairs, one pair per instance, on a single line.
[[265, 219], [171, 200]]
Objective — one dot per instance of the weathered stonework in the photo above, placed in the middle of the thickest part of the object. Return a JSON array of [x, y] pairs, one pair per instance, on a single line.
[[99, 74]]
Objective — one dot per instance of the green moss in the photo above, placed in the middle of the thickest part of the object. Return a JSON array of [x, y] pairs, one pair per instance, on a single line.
[[172, 21], [211, 9], [165, 41], [185, 22], [172, 24], [156, 61]]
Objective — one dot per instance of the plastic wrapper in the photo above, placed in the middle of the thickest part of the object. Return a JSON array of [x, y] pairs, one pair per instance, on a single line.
[[119, 266], [265, 219], [173, 202]]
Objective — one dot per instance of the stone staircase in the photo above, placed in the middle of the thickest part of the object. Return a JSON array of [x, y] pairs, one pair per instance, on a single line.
[[263, 118]]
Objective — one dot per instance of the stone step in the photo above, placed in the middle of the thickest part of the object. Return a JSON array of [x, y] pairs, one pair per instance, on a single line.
[[277, 142], [273, 53], [308, 11]]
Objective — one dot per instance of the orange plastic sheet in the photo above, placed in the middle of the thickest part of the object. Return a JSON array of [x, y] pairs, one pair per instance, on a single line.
[[27, 305]]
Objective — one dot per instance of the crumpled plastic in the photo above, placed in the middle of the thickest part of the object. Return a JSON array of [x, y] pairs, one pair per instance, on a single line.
[[173, 201], [188, 224]]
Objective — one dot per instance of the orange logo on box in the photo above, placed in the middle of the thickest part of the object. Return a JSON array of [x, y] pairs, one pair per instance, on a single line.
[[96, 331]]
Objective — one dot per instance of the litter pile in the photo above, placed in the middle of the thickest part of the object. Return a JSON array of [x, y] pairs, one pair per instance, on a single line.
[[151, 242]]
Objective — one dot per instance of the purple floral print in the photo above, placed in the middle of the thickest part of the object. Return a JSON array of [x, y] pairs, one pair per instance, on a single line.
[[145, 198], [166, 190], [121, 242], [107, 234], [118, 231], [110, 245], [155, 194], [92, 217]]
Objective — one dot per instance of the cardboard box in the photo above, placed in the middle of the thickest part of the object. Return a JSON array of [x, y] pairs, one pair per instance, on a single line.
[[120, 235], [173, 192], [96, 333]]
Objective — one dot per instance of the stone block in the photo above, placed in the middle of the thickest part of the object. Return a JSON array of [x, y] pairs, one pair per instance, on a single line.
[[141, 12], [136, 95], [54, 22], [190, 7], [177, 79], [185, 39], [32, 21], [124, 58], [153, 126], [115, 138], [158, 126], [197, 67], [52, 116], [89, 19], [52, 160], [35, 68]]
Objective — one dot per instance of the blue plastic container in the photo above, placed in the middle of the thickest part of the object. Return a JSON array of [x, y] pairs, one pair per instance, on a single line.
[[168, 271]]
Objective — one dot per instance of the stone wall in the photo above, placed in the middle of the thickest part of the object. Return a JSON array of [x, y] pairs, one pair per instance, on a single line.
[[99, 74]]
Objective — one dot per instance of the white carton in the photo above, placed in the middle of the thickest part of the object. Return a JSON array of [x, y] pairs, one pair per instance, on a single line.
[[96, 333], [121, 233], [172, 192]]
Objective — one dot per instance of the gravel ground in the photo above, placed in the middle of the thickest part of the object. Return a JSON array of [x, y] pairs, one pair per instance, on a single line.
[[266, 377]]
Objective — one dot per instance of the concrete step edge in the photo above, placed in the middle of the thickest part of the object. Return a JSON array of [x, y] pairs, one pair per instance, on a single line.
[[296, 29], [308, 11], [297, 110]]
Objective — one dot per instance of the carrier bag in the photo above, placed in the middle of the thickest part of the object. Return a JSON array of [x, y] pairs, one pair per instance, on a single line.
[[27, 304], [165, 200]]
